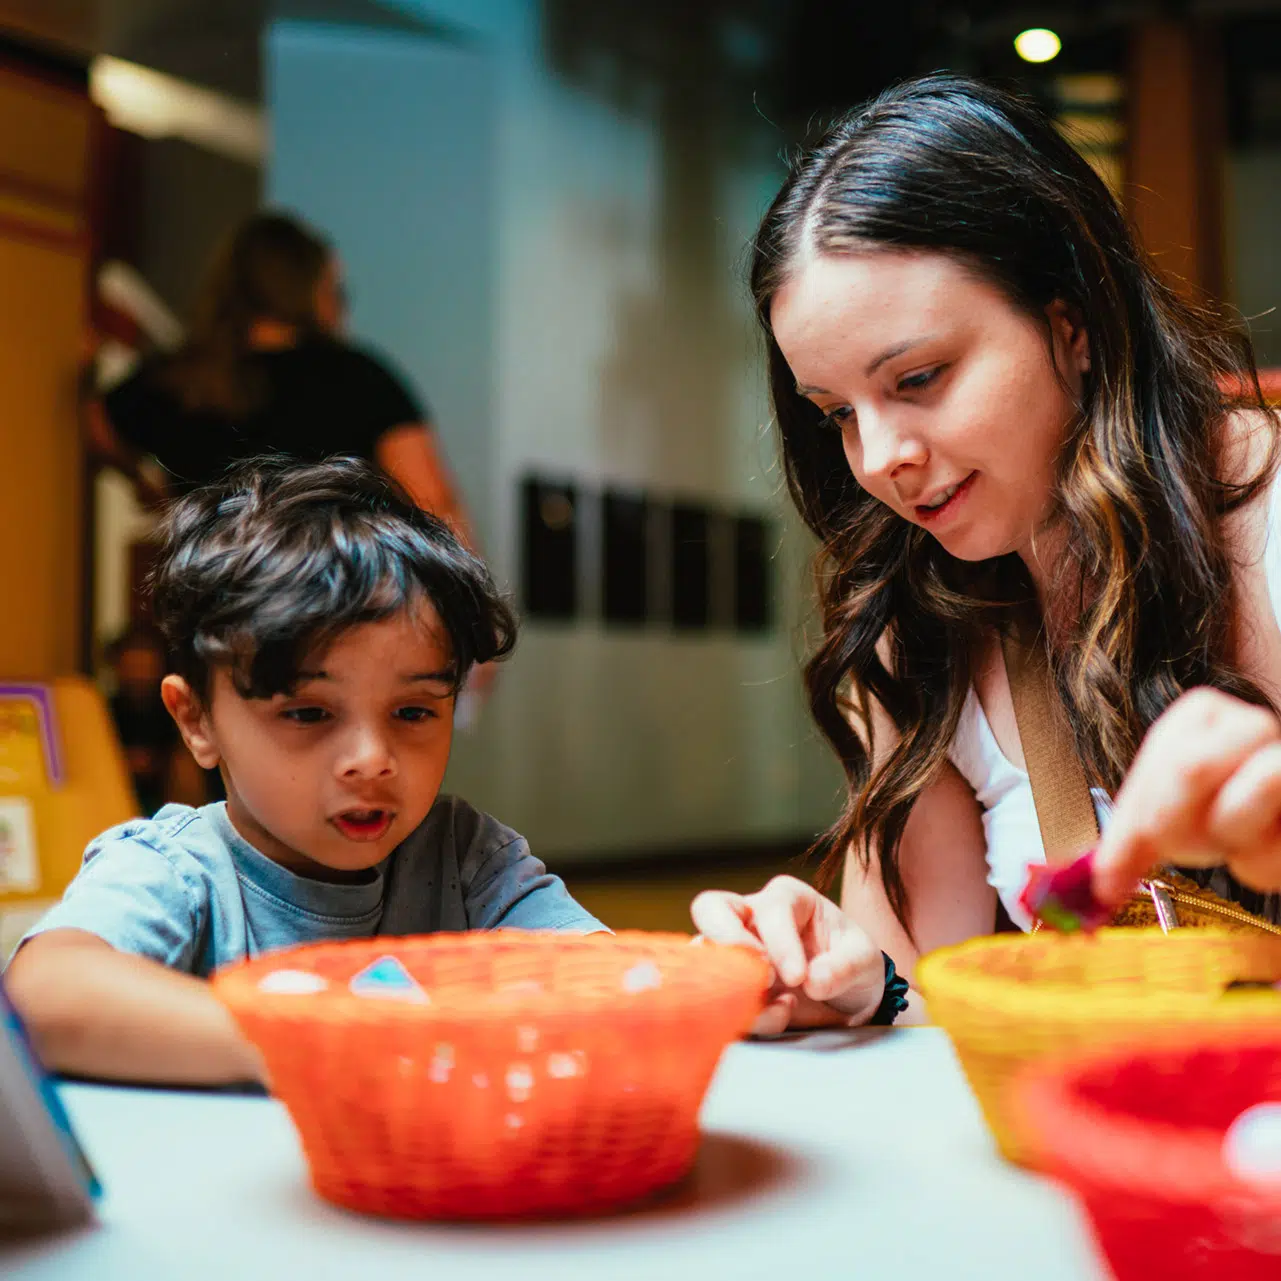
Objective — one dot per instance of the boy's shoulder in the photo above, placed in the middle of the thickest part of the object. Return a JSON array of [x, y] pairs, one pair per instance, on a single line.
[[453, 825], [177, 832]]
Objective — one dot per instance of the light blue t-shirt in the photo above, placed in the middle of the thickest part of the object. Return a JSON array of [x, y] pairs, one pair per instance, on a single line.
[[186, 889]]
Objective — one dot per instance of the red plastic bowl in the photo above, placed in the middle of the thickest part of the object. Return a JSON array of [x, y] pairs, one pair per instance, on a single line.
[[1138, 1134]]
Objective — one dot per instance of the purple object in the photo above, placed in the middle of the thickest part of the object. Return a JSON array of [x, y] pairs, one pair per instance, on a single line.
[[42, 697], [1063, 897]]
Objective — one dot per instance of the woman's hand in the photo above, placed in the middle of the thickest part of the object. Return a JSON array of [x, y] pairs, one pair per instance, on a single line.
[[1204, 790], [826, 970]]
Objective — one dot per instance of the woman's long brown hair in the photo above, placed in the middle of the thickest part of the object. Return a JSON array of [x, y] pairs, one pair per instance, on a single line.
[[268, 268], [949, 165]]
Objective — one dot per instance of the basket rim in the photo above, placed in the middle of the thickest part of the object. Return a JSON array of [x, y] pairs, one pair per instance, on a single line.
[[1092, 1145], [945, 973], [237, 984]]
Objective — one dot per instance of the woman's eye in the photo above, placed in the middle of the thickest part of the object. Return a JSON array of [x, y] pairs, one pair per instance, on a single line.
[[415, 715], [305, 715], [838, 417], [915, 382]]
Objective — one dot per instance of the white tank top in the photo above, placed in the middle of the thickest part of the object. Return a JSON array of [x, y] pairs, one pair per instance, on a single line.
[[1003, 790]]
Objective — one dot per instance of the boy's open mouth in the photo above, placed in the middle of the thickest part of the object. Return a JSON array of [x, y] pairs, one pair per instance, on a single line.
[[363, 825]]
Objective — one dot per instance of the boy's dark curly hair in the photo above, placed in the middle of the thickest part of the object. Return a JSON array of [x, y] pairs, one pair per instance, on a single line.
[[276, 560]]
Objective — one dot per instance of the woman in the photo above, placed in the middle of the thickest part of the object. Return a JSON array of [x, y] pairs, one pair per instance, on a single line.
[[992, 411], [266, 369]]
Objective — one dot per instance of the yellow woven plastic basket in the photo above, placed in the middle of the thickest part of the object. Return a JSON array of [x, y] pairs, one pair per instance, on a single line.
[[1006, 1000]]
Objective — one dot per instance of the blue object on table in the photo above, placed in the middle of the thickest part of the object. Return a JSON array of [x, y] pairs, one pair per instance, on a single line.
[[45, 1177]]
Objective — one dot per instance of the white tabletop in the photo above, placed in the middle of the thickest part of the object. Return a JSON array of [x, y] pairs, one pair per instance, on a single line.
[[858, 1155]]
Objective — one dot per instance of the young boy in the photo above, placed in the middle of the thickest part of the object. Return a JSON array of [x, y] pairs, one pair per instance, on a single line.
[[320, 627]]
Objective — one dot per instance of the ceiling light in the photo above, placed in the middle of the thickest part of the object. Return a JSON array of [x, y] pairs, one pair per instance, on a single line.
[[1037, 44]]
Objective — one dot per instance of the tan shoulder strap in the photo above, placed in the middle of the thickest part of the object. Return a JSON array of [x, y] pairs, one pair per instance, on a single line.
[[1060, 792]]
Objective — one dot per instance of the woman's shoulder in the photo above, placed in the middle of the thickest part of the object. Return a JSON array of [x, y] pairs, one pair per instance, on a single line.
[[143, 395], [362, 373], [321, 350]]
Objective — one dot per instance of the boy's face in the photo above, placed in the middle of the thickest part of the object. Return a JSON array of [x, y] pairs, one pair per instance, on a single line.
[[329, 779]]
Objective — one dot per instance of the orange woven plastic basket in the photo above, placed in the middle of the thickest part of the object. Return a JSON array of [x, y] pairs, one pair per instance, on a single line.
[[1138, 1134], [1008, 999], [501, 1074]]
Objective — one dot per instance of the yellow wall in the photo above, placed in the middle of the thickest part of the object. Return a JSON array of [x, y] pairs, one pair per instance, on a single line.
[[44, 162]]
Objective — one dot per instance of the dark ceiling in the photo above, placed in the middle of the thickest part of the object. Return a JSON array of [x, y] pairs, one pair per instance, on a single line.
[[211, 42]]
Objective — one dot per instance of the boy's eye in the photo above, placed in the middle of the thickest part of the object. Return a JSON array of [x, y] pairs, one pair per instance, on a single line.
[[416, 714], [305, 715], [916, 382]]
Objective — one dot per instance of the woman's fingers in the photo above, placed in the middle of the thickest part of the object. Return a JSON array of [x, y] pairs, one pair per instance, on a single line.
[[847, 963], [775, 1018], [1245, 811], [780, 912], [1164, 808], [1260, 867], [848, 970], [724, 918], [1245, 820], [822, 961]]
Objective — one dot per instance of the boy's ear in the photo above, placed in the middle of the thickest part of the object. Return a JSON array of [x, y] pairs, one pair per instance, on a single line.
[[193, 722]]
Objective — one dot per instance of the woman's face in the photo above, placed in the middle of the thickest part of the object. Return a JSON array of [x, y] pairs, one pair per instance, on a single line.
[[951, 403], [331, 299]]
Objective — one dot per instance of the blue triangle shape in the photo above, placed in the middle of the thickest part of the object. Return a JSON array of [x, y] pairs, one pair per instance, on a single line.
[[387, 977]]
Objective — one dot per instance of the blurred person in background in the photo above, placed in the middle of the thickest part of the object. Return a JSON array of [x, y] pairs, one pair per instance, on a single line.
[[266, 368]]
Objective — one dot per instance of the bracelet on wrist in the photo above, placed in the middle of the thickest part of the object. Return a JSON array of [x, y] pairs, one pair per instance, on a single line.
[[893, 999]]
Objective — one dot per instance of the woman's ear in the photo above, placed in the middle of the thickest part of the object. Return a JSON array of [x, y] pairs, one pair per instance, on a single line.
[[1071, 340], [192, 720]]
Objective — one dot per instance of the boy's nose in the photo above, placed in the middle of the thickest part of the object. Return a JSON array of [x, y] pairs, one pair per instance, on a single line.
[[368, 755]]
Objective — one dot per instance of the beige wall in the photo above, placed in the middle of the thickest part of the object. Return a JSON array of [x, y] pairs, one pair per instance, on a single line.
[[44, 150]]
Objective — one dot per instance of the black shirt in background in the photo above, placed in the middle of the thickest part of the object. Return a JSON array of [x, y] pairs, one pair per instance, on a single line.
[[322, 397]]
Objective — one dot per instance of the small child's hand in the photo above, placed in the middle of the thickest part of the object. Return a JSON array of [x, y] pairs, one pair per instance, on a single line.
[[827, 971]]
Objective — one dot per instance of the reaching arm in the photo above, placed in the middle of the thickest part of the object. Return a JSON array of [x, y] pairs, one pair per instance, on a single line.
[[104, 443], [94, 1011], [943, 858], [828, 962], [411, 455]]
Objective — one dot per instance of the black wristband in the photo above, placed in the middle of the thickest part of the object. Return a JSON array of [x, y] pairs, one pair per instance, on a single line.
[[894, 998]]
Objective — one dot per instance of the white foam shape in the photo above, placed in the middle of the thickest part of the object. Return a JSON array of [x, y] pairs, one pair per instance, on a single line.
[[527, 1039], [442, 1063], [292, 983], [520, 1081], [561, 1066], [1252, 1145], [644, 976], [514, 1120]]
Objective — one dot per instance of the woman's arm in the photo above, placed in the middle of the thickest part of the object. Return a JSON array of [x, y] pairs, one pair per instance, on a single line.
[[94, 1011], [1205, 787], [103, 443], [943, 859], [411, 455], [828, 961]]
